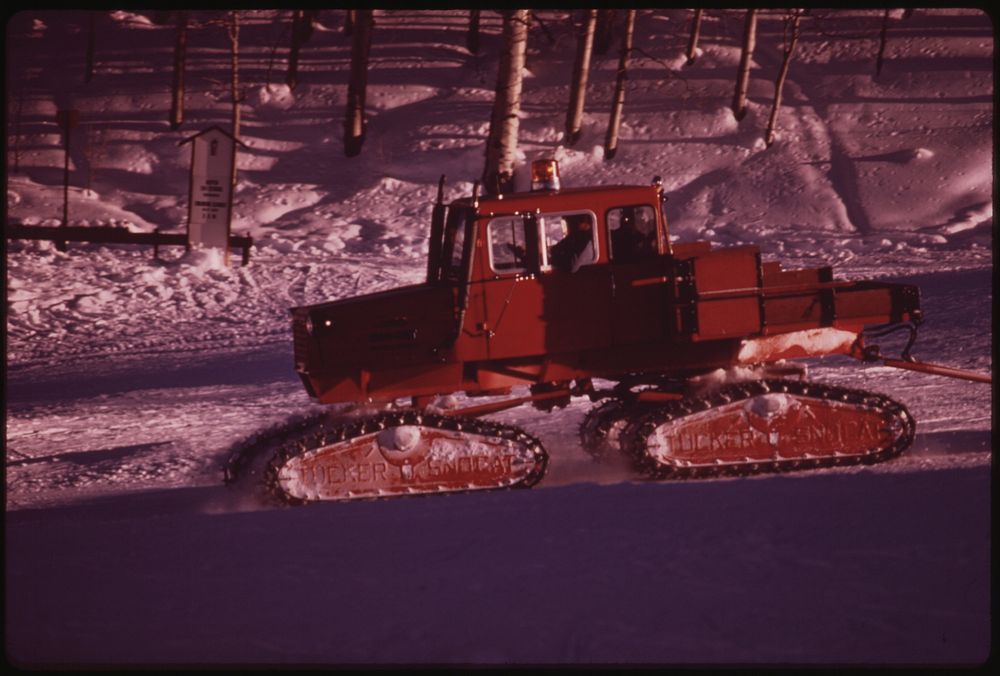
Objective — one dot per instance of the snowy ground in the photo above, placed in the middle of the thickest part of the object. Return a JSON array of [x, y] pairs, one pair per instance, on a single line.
[[129, 377]]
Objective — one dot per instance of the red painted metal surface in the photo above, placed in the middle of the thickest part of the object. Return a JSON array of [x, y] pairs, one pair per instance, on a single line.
[[495, 314]]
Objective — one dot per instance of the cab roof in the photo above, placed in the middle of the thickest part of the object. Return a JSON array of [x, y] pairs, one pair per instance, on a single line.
[[592, 197]]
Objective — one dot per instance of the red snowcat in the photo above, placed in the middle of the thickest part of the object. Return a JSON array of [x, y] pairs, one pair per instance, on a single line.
[[542, 296]]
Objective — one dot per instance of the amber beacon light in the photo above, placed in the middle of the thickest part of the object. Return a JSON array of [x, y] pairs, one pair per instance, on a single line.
[[545, 175]]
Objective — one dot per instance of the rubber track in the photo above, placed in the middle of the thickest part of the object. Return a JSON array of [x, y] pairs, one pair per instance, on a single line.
[[243, 456], [634, 436], [598, 422], [327, 432]]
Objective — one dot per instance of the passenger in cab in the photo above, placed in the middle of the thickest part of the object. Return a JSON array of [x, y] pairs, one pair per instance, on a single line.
[[632, 240]]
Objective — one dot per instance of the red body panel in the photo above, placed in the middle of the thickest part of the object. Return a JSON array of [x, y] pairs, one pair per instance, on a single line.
[[681, 310]]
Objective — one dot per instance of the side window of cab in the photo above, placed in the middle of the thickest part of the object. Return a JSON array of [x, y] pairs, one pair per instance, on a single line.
[[570, 240], [508, 245], [631, 233]]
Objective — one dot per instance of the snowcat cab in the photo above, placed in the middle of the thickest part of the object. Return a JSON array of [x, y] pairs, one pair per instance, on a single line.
[[555, 288]]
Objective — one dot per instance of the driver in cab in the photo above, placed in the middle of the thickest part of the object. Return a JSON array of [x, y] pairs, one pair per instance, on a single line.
[[576, 249]]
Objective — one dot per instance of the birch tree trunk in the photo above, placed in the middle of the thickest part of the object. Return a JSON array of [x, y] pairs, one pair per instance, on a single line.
[[791, 38], [501, 145], [581, 73], [180, 60], [237, 98], [695, 34], [611, 140], [743, 75], [472, 37], [354, 122]]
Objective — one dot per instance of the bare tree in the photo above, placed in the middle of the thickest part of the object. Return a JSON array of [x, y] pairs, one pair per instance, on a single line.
[[68, 119], [95, 144], [743, 75], [611, 140], [605, 31], [310, 17], [354, 122], [472, 37], [18, 106], [180, 62], [88, 72], [292, 77], [87, 163], [791, 37], [881, 43], [581, 73], [533, 16], [349, 18], [237, 94], [302, 30], [16, 83], [501, 145], [695, 33]]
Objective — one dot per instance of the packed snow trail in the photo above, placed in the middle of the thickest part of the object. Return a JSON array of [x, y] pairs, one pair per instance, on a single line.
[[168, 418]]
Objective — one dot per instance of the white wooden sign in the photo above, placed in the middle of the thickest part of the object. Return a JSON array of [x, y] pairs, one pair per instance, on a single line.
[[213, 155]]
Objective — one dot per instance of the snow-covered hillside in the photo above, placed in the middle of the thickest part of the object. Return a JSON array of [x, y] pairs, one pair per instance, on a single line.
[[128, 377]]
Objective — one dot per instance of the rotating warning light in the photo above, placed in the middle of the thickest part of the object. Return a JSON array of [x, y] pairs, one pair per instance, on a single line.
[[545, 175]]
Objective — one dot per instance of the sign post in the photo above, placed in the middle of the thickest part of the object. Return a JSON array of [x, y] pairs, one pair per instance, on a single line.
[[213, 173]]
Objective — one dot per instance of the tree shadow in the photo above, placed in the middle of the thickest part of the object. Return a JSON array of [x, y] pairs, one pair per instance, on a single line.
[[88, 458]]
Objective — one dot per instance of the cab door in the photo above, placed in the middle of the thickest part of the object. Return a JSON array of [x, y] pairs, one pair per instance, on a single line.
[[576, 299], [639, 294], [511, 297], [532, 308]]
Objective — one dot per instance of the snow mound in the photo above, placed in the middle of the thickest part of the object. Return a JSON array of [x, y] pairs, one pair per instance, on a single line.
[[200, 261], [278, 96]]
